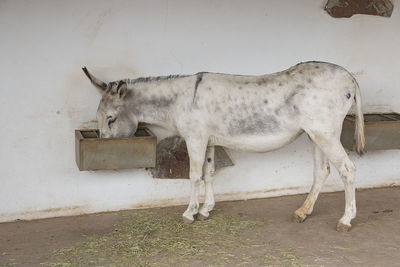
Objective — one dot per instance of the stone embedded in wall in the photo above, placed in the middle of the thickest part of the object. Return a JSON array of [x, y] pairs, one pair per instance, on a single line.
[[173, 159], [348, 8]]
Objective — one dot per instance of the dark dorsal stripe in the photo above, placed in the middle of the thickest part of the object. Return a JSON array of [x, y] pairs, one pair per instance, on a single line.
[[198, 81]]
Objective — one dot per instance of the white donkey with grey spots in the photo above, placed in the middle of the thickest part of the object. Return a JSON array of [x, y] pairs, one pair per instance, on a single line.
[[250, 113]]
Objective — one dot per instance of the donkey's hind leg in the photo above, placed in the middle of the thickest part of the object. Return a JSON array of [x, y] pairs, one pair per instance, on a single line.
[[208, 172], [336, 154], [321, 172]]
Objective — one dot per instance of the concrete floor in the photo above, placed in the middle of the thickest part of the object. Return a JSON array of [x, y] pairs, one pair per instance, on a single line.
[[253, 233]]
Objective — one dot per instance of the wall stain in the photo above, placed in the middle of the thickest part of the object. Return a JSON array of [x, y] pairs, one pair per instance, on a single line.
[[79, 210], [42, 214], [218, 197], [61, 209], [102, 18], [358, 73]]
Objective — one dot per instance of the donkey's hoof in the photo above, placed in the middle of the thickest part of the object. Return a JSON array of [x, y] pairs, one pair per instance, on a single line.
[[187, 220], [299, 218], [202, 217], [343, 228]]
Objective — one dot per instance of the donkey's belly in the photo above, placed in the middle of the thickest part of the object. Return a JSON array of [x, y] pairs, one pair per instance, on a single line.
[[255, 143]]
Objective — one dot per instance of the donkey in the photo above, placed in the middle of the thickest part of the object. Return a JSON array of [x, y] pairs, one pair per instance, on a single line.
[[249, 113]]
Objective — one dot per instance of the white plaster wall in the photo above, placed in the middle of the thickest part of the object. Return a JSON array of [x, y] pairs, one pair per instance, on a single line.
[[45, 96]]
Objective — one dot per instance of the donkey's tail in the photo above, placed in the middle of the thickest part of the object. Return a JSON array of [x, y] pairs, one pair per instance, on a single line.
[[359, 137]]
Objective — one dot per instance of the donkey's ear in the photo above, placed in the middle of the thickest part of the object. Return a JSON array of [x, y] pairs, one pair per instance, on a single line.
[[122, 88], [102, 86]]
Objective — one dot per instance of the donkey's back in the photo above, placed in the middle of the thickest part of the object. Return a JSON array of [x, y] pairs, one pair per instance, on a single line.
[[262, 113]]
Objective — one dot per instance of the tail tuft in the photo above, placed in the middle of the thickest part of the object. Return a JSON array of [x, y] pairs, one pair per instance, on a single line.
[[359, 137]]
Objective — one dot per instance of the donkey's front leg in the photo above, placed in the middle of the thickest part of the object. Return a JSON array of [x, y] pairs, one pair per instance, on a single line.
[[208, 172], [196, 151]]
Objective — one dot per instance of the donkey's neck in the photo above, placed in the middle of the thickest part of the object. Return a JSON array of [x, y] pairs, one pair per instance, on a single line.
[[151, 99]]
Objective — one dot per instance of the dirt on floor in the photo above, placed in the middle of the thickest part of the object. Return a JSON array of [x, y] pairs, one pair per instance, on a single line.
[[238, 233]]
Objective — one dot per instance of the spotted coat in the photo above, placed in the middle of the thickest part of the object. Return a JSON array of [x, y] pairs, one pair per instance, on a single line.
[[242, 112]]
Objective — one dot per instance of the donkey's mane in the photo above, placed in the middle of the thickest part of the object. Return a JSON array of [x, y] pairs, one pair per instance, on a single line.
[[153, 79]]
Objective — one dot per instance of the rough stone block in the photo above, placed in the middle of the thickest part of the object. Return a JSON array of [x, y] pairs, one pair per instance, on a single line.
[[173, 159], [347, 8]]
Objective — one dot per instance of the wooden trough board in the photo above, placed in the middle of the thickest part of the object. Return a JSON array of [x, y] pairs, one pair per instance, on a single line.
[[382, 131], [94, 153]]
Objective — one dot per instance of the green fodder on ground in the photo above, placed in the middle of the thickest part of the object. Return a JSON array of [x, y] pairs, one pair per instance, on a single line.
[[148, 239]]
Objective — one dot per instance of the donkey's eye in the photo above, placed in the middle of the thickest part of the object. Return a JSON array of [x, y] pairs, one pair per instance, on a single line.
[[111, 121]]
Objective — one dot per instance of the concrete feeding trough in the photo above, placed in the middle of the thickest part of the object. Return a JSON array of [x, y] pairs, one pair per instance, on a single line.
[[382, 131], [95, 153]]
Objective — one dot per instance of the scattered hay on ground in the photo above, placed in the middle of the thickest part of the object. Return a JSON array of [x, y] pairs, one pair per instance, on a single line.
[[149, 239]]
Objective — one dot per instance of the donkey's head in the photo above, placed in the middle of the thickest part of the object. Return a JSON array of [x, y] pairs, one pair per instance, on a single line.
[[113, 115]]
